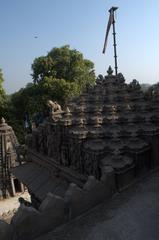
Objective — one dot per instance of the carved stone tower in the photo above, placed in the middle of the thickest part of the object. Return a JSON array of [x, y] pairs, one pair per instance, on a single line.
[[8, 156]]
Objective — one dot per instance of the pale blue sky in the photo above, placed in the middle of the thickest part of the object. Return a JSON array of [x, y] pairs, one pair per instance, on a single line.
[[81, 24]]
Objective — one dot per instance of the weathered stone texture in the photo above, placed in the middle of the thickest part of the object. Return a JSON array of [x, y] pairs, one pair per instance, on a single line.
[[8, 159], [101, 142]]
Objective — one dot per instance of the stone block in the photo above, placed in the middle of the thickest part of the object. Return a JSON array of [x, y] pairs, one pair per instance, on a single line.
[[108, 179], [25, 223], [52, 212], [95, 192], [29, 223], [74, 198], [80, 200], [5, 231], [154, 142]]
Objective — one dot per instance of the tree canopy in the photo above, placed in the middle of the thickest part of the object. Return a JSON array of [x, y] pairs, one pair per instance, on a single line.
[[2, 92], [33, 97], [58, 76], [2, 96], [64, 63]]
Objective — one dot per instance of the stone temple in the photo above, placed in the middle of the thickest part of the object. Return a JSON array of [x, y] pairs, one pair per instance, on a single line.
[[101, 143], [9, 184]]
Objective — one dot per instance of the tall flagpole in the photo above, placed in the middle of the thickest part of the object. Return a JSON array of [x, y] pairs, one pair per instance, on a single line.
[[111, 21], [113, 9]]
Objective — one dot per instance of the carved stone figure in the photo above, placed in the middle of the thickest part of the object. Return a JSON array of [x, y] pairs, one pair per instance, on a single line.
[[54, 106], [99, 79], [135, 84]]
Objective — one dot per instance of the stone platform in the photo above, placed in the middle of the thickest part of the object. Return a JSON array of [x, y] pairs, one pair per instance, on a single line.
[[130, 215]]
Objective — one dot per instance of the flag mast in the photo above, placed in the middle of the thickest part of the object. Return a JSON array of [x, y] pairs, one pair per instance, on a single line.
[[114, 40], [111, 21]]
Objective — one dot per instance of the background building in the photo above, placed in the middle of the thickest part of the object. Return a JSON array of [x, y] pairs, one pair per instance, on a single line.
[[9, 185]]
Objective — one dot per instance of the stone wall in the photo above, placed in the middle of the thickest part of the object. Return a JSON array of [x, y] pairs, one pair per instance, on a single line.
[[29, 223], [5, 231]]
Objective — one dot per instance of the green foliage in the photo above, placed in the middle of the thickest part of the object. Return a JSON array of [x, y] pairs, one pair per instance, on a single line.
[[3, 97], [33, 99], [42, 67], [58, 89], [64, 63], [58, 76]]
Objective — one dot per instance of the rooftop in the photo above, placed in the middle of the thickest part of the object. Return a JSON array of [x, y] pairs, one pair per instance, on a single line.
[[130, 215]]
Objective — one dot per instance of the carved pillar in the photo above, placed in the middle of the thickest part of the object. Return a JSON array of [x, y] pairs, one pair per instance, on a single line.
[[94, 151], [13, 186]]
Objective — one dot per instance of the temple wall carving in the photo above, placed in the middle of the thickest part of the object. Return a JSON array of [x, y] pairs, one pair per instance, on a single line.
[[101, 143]]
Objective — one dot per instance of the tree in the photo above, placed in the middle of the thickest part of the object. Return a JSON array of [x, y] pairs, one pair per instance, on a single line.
[[58, 76], [42, 67], [64, 63], [3, 97], [33, 99]]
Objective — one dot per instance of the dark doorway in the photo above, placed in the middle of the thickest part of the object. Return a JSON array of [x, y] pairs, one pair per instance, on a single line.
[[17, 185]]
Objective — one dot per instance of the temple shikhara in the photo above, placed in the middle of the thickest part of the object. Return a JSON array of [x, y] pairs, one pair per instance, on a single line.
[[100, 143]]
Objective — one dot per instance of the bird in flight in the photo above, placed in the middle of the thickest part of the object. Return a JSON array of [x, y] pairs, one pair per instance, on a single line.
[[35, 37]]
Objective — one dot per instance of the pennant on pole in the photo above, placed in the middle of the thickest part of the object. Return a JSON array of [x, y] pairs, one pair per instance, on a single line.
[[110, 22]]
